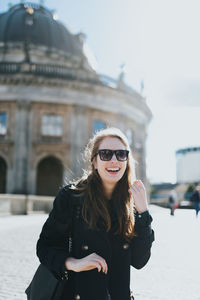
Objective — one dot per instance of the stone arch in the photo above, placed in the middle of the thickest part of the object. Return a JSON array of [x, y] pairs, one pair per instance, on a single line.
[[49, 176], [43, 155], [3, 175]]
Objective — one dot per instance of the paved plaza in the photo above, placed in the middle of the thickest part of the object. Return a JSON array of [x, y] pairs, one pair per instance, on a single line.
[[173, 272]]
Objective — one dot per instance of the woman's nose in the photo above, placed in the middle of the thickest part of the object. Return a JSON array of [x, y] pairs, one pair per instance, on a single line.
[[114, 158]]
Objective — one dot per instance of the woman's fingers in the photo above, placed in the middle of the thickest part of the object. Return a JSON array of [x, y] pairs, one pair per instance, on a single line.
[[93, 261], [102, 263], [137, 187], [139, 182], [134, 189], [98, 266], [138, 192]]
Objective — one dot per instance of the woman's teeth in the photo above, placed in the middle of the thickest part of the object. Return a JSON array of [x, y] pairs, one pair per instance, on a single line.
[[113, 170]]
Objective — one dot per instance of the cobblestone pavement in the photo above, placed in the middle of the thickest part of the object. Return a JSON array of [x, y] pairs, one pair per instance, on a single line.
[[173, 272]]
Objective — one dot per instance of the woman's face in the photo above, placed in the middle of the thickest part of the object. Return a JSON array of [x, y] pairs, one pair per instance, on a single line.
[[110, 171]]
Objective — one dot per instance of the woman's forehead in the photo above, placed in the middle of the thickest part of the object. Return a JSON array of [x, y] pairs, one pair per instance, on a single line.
[[112, 143]]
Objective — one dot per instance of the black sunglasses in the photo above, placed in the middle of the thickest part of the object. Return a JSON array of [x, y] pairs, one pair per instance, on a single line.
[[107, 154]]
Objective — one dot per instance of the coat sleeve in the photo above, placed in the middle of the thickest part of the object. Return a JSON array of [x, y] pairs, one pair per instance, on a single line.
[[53, 244], [142, 242]]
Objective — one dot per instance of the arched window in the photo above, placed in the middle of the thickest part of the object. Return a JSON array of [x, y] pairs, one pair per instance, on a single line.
[[49, 176]]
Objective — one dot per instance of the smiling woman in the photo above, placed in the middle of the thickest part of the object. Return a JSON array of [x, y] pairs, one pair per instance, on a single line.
[[113, 225]]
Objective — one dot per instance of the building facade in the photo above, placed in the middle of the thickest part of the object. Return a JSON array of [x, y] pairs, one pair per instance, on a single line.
[[188, 165], [52, 101]]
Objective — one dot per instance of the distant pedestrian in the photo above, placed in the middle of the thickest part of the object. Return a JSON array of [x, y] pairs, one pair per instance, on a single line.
[[172, 202], [195, 199]]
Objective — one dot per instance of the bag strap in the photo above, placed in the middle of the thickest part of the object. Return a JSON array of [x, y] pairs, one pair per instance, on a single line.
[[76, 211]]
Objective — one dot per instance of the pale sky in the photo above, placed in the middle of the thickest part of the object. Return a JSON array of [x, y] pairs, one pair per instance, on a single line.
[[159, 42]]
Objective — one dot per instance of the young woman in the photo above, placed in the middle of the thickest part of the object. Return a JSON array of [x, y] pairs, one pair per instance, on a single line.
[[111, 229]]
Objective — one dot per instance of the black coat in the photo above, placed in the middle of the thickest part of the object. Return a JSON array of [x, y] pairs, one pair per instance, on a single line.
[[195, 197], [52, 250]]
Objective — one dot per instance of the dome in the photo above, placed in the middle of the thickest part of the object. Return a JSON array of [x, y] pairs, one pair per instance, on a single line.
[[34, 24]]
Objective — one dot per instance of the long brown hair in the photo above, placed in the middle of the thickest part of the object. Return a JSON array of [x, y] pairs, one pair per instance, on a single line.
[[95, 205]]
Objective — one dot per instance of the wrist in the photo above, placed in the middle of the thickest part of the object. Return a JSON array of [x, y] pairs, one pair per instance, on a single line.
[[142, 219], [142, 210], [71, 264], [68, 263]]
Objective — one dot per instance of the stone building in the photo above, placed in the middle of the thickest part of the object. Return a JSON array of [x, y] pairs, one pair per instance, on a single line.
[[52, 101], [187, 165]]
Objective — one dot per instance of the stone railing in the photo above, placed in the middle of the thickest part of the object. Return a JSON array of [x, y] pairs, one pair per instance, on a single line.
[[24, 204], [46, 70]]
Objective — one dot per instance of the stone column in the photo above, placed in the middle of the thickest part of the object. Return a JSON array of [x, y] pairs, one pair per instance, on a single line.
[[32, 180], [140, 153], [79, 135], [31, 169], [21, 148]]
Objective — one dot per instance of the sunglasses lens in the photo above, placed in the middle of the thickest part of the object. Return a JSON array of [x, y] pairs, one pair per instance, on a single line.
[[122, 155], [105, 154]]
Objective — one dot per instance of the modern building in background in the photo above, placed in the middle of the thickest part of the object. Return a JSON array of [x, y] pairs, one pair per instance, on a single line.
[[188, 165], [52, 101]]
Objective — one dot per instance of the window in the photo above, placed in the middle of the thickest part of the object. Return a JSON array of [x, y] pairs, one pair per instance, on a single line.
[[52, 125], [98, 125], [3, 120]]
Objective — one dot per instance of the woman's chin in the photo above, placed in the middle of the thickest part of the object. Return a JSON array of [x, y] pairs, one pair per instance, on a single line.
[[112, 178]]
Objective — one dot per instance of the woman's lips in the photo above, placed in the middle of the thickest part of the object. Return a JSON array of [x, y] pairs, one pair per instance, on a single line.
[[112, 170]]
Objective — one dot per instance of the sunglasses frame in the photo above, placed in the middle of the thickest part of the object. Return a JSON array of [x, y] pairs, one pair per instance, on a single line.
[[113, 152]]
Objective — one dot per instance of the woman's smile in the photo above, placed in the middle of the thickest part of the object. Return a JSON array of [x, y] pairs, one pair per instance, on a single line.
[[113, 171]]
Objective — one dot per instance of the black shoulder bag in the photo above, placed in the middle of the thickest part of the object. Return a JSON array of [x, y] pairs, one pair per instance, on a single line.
[[44, 286]]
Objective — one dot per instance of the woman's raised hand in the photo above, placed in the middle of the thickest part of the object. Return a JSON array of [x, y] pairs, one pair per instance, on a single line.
[[138, 192], [87, 263]]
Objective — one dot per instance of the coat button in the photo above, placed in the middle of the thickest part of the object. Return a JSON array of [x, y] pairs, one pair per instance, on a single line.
[[77, 297], [125, 246], [85, 247], [66, 275]]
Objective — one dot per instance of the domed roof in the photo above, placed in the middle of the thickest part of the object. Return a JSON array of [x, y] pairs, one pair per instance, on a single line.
[[29, 22]]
